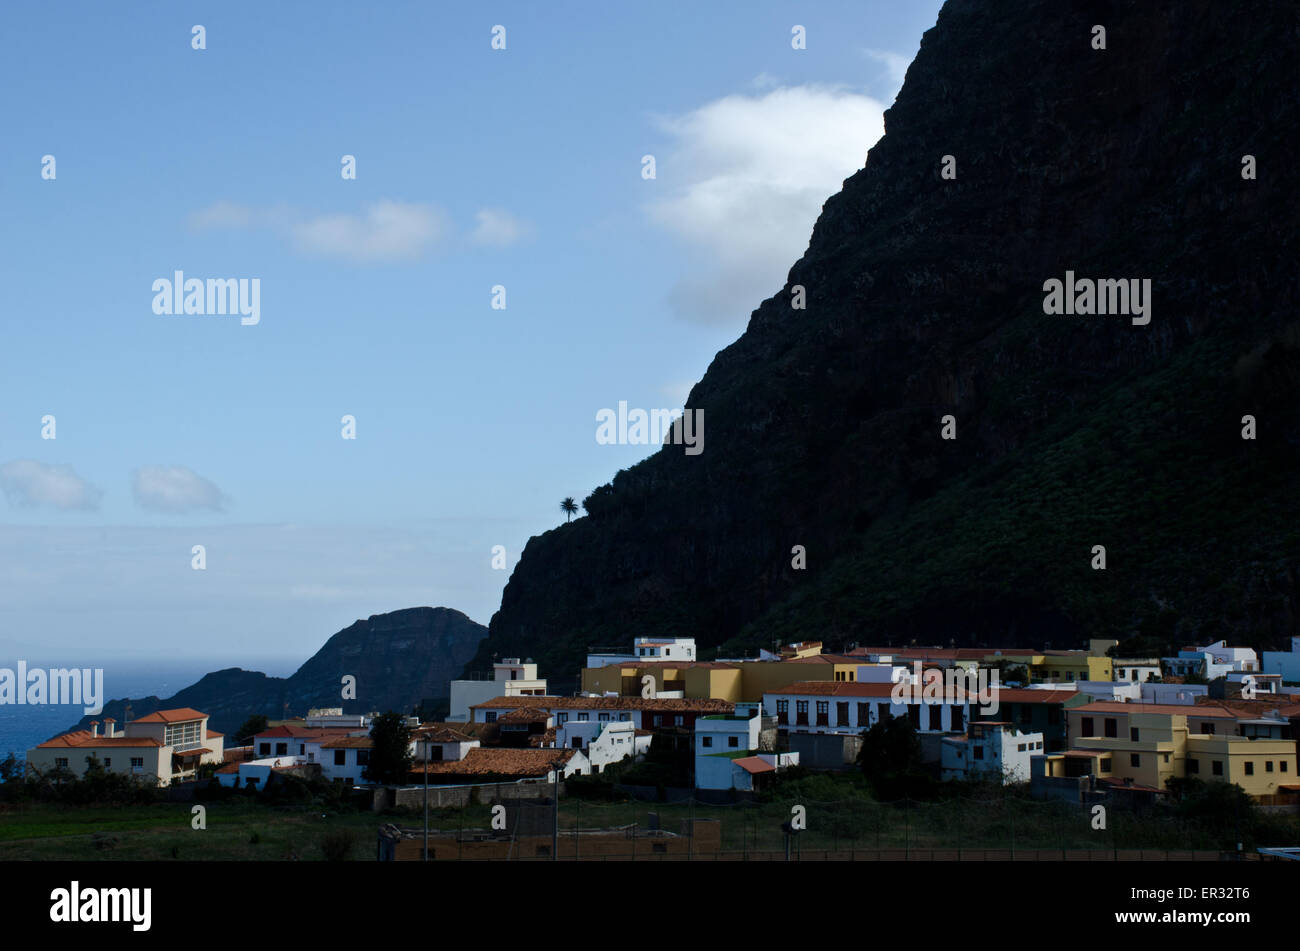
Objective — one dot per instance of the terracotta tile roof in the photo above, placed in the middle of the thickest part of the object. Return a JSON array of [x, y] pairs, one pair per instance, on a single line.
[[186, 754], [213, 735], [229, 768], [179, 715], [835, 688], [1025, 695], [753, 765], [469, 728], [83, 738], [543, 739], [441, 734], [657, 705], [482, 761], [348, 743], [1212, 712], [525, 715], [293, 731]]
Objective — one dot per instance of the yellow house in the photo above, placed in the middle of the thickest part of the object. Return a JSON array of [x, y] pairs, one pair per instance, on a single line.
[[736, 681], [1147, 744], [1070, 667]]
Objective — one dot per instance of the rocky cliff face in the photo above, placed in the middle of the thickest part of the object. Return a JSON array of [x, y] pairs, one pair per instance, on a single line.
[[926, 299], [398, 659]]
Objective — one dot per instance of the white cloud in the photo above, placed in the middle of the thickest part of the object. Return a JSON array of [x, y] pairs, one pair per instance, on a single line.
[[499, 228], [747, 176], [28, 483], [895, 65], [381, 231], [174, 489]]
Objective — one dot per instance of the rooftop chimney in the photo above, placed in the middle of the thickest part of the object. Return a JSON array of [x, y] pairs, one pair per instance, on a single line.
[[94, 728]]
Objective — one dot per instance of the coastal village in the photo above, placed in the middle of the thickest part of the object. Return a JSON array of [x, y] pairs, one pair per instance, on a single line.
[[1079, 726]]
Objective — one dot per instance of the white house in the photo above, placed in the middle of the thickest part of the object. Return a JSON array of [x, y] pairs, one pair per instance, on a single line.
[[648, 649], [602, 742], [720, 771], [1135, 670], [823, 706], [442, 744], [1119, 691], [990, 750], [1214, 660], [1173, 693], [1284, 663], [160, 747], [510, 678]]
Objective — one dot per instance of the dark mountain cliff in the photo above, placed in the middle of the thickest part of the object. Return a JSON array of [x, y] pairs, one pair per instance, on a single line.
[[925, 298], [398, 659]]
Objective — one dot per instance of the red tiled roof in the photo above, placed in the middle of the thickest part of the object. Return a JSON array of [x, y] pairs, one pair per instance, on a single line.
[[753, 764], [348, 743], [525, 715], [214, 735], [441, 735], [656, 705], [293, 731], [83, 738], [179, 715], [500, 761]]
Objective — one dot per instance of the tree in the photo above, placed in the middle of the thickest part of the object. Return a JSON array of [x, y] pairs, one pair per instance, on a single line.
[[569, 508], [252, 726], [390, 757], [890, 759]]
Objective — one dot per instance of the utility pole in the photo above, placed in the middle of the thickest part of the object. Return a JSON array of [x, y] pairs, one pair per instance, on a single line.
[[426, 799]]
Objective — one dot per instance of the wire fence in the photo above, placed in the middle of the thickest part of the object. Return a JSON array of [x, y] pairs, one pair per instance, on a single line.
[[849, 829]]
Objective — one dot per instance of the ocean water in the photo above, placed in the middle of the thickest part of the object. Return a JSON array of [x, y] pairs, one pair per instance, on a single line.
[[24, 726]]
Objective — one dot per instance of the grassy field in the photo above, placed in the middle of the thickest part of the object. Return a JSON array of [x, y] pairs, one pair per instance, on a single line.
[[837, 814]]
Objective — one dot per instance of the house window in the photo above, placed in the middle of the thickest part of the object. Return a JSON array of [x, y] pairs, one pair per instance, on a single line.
[[823, 713], [842, 714], [733, 741], [1086, 727], [264, 749], [61, 762], [801, 712], [1250, 768], [490, 716], [604, 718], [1207, 728], [1268, 766], [706, 741], [1133, 734], [363, 757], [1112, 726], [1104, 766], [1134, 759], [583, 717], [679, 720], [340, 757], [137, 762], [1193, 765], [1282, 765], [577, 742], [659, 721], [783, 712], [979, 752], [562, 718], [108, 764], [282, 749], [624, 717], [957, 717], [864, 714], [1217, 767], [1020, 747]]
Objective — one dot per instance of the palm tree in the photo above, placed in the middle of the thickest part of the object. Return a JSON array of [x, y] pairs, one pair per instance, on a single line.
[[569, 508]]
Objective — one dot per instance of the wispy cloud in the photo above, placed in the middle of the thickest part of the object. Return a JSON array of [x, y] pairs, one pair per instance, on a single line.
[[27, 483], [498, 228], [381, 231], [746, 177], [174, 489], [895, 65]]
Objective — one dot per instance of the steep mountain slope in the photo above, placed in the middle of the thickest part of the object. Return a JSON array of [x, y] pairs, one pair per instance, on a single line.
[[926, 298], [398, 659]]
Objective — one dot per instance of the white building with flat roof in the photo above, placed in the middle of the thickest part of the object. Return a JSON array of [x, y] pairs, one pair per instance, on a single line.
[[510, 678]]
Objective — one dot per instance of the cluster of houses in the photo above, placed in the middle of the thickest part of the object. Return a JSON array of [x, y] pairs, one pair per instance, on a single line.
[[1075, 724]]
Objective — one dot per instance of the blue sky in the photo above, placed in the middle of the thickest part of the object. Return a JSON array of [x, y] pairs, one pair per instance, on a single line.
[[475, 167]]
